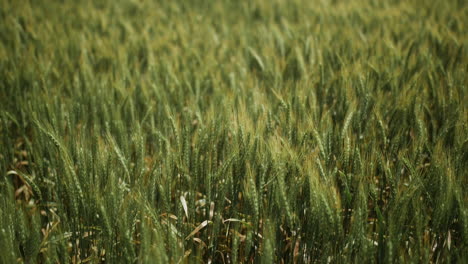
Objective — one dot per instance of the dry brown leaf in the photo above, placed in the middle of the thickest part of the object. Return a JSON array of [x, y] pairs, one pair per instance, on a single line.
[[199, 227]]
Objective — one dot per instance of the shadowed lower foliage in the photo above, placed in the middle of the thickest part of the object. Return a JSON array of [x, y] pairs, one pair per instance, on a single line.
[[233, 131]]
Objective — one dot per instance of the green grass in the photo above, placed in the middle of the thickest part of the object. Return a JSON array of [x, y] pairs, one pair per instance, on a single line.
[[233, 131]]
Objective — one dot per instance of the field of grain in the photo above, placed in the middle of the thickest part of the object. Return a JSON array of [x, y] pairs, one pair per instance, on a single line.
[[233, 131]]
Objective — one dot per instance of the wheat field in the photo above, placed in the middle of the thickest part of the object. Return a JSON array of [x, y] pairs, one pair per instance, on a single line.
[[300, 131]]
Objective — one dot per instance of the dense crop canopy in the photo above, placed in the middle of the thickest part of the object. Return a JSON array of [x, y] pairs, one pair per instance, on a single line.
[[233, 131]]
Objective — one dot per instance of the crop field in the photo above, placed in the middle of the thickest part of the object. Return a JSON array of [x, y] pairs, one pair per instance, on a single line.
[[233, 131]]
